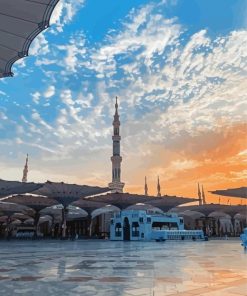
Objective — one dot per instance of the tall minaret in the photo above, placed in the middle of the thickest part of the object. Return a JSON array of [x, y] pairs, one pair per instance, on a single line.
[[116, 185], [158, 188], [203, 197], [199, 195], [25, 171], [146, 186]]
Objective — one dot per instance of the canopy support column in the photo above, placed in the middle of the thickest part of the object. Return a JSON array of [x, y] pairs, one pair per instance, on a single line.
[[36, 222], [64, 224]]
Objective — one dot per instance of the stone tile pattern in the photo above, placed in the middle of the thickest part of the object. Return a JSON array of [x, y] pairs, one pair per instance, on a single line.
[[90, 268]]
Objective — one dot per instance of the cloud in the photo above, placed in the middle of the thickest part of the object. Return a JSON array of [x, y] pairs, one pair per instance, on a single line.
[[75, 50], [36, 97], [50, 92], [144, 37], [2, 93], [3, 116], [39, 46], [179, 91], [64, 13], [36, 116]]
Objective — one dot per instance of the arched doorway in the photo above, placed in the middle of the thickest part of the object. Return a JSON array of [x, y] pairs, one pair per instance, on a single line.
[[126, 229]]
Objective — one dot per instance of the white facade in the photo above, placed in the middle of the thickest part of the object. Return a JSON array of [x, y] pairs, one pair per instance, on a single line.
[[140, 225]]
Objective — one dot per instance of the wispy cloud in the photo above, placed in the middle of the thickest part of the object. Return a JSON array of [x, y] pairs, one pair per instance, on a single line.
[[177, 92], [64, 13]]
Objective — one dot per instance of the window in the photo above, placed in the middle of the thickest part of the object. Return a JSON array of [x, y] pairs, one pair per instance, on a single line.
[[118, 230], [164, 225], [148, 220], [141, 219], [135, 229]]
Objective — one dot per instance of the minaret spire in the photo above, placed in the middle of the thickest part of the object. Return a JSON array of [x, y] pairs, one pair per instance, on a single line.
[[25, 171], [158, 188], [116, 185], [146, 186], [203, 196], [199, 194]]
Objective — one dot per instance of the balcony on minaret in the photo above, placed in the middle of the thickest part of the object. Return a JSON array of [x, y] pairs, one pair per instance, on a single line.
[[116, 138]]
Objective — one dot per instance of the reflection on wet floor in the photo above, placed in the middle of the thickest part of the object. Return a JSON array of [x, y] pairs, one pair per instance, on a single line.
[[214, 268]]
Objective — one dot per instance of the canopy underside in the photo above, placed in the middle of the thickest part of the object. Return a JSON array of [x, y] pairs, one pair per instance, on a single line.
[[20, 22]]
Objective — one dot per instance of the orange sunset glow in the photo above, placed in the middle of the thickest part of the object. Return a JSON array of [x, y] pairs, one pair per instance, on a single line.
[[215, 160], [123, 147]]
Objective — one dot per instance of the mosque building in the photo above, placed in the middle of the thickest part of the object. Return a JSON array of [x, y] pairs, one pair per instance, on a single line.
[[214, 219]]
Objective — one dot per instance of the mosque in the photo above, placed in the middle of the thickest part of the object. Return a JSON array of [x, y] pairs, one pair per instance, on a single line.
[[62, 210]]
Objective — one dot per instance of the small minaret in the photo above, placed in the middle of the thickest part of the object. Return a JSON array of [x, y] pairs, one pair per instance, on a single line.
[[203, 197], [199, 195], [158, 188], [146, 186], [116, 185], [25, 171]]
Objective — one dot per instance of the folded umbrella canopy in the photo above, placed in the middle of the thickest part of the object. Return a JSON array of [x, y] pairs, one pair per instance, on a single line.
[[233, 192], [20, 22], [15, 187]]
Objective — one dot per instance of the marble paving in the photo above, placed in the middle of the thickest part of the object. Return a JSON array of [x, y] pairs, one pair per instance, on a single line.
[[94, 267]]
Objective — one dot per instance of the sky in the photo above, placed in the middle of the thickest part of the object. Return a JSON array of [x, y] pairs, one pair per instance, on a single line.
[[179, 69]]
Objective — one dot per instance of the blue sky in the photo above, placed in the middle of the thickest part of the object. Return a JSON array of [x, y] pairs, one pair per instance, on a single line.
[[179, 68]]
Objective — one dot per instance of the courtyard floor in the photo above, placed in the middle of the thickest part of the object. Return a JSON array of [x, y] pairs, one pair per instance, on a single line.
[[93, 267]]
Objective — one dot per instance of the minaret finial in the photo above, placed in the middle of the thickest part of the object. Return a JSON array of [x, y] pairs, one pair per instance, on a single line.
[[146, 186], [116, 104], [25, 171], [203, 197], [199, 194], [158, 188]]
